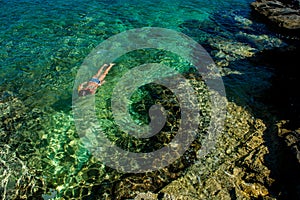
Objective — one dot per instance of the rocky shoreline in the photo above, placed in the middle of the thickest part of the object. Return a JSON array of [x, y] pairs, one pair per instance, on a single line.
[[282, 14], [283, 95], [284, 99], [267, 165]]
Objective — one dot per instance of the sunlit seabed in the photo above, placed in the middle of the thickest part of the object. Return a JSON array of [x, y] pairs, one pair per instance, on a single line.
[[43, 44]]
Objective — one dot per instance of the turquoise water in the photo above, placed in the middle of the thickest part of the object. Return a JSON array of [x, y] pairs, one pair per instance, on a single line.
[[43, 44]]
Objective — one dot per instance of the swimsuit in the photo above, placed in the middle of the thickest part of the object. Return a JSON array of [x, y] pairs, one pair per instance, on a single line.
[[95, 80], [91, 88]]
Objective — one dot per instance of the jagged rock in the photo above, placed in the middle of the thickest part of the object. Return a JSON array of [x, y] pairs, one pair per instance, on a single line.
[[290, 160], [235, 169], [282, 14], [292, 140]]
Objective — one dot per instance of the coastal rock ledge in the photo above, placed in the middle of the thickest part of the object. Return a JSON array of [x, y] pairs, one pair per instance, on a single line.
[[284, 14]]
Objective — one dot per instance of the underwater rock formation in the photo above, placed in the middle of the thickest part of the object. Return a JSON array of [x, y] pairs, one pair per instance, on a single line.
[[249, 161], [238, 167], [17, 179]]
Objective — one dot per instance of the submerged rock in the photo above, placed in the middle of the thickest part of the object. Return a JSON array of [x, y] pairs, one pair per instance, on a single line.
[[250, 161], [17, 179], [227, 51], [236, 169]]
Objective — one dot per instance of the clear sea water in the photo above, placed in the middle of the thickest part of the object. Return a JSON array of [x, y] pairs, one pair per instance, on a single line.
[[43, 44]]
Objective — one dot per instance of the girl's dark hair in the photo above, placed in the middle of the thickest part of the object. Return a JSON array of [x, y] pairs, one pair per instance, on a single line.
[[83, 93]]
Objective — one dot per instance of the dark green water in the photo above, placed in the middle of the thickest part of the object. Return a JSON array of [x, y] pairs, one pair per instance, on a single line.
[[43, 44]]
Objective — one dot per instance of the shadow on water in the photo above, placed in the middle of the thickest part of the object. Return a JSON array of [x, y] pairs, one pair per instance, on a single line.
[[284, 101], [281, 101], [278, 102]]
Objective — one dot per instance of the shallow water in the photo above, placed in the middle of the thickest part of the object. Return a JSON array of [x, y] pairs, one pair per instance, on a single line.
[[43, 44]]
